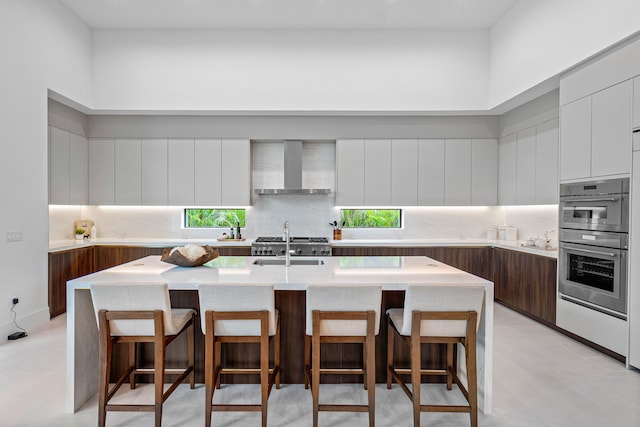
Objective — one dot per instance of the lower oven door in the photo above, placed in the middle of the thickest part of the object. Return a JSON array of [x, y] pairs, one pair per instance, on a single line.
[[595, 275]]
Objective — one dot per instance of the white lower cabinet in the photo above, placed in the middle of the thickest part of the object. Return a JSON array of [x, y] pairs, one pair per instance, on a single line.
[[602, 329]]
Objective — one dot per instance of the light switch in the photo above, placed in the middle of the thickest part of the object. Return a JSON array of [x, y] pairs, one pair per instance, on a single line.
[[14, 236]]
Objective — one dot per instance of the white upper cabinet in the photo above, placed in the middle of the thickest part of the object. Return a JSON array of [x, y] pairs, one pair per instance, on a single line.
[[67, 168], [575, 134], [526, 167], [611, 130], [350, 172], [58, 166], [484, 172], [128, 176], [154, 172], [431, 172], [101, 171], [457, 172], [181, 172], [547, 140], [507, 172], [636, 102], [78, 169], [208, 172], [404, 172], [595, 134], [377, 172], [235, 181]]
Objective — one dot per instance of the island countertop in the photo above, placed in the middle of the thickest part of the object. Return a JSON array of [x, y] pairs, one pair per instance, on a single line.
[[393, 273]]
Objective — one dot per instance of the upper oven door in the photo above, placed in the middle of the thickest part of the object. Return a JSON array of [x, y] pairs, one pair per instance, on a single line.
[[606, 213]]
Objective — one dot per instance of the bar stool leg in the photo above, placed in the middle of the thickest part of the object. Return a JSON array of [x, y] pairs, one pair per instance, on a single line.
[[159, 378], [209, 380], [105, 371], [191, 337], [264, 366], [132, 365], [218, 363], [416, 378], [307, 360], [472, 380], [390, 336], [315, 370], [371, 378], [449, 366], [276, 354]]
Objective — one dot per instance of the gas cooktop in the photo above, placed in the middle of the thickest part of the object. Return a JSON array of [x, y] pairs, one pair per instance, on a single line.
[[292, 240], [298, 246]]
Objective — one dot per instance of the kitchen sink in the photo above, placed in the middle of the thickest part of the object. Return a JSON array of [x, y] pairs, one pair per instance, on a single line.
[[280, 261]]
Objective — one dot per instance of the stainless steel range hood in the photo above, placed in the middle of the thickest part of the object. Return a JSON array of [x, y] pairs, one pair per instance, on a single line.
[[292, 174]]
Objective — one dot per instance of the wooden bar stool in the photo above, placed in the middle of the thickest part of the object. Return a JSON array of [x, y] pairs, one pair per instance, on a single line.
[[239, 313], [342, 314], [139, 312], [437, 314]]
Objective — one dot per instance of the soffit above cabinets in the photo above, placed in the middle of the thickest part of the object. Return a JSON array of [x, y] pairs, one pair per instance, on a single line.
[[290, 14]]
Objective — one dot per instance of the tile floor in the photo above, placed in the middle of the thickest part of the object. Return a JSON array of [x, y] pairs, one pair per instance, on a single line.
[[541, 378]]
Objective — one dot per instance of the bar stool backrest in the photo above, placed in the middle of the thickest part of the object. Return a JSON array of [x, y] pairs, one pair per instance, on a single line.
[[343, 298], [133, 297], [237, 297], [441, 298]]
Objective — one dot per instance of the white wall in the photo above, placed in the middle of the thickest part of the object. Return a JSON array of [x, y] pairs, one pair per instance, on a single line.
[[42, 46], [290, 70], [539, 39]]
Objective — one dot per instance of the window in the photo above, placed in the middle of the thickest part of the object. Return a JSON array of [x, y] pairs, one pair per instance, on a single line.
[[371, 218], [214, 218]]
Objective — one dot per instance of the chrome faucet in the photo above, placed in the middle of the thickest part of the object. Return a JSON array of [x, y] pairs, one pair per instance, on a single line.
[[287, 254]]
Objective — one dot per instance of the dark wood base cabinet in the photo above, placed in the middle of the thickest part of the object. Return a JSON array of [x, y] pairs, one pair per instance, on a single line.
[[67, 265], [526, 283], [63, 266]]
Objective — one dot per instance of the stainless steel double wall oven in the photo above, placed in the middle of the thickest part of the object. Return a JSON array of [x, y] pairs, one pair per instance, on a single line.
[[594, 241]]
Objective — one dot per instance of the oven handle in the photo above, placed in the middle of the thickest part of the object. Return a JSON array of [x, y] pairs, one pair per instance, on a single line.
[[589, 251], [597, 199]]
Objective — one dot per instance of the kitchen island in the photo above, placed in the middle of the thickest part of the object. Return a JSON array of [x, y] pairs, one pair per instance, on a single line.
[[394, 273]]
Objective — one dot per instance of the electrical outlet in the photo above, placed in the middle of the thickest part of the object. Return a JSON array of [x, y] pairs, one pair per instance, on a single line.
[[14, 236], [14, 301]]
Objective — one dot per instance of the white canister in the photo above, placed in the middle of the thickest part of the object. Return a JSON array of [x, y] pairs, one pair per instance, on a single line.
[[511, 233], [502, 232], [492, 234]]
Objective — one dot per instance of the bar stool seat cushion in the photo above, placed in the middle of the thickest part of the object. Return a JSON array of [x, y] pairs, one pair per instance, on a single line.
[[138, 297], [437, 298], [227, 298], [343, 298]]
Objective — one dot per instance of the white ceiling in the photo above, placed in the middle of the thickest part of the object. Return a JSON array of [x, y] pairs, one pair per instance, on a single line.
[[291, 14]]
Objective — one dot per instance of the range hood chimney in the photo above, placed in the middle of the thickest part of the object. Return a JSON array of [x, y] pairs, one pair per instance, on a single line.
[[292, 174]]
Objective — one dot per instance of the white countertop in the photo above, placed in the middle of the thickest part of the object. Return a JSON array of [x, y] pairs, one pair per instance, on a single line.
[[394, 273], [62, 245]]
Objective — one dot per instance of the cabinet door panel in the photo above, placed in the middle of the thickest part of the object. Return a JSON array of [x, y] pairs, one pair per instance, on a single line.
[[58, 166], [636, 103], [484, 172], [526, 167], [575, 139], [65, 266], [101, 171], [208, 172], [154, 172], [431, 172], [404, 172], [547, 163], [181, 176], [78, 169], [128, 171], [236, 172], [507, 172], [457, 172], [350, 172], [377, 172], [611, 130]]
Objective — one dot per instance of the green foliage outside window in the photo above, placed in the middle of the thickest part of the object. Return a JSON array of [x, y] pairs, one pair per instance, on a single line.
[[214, 218], [370, 218]]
